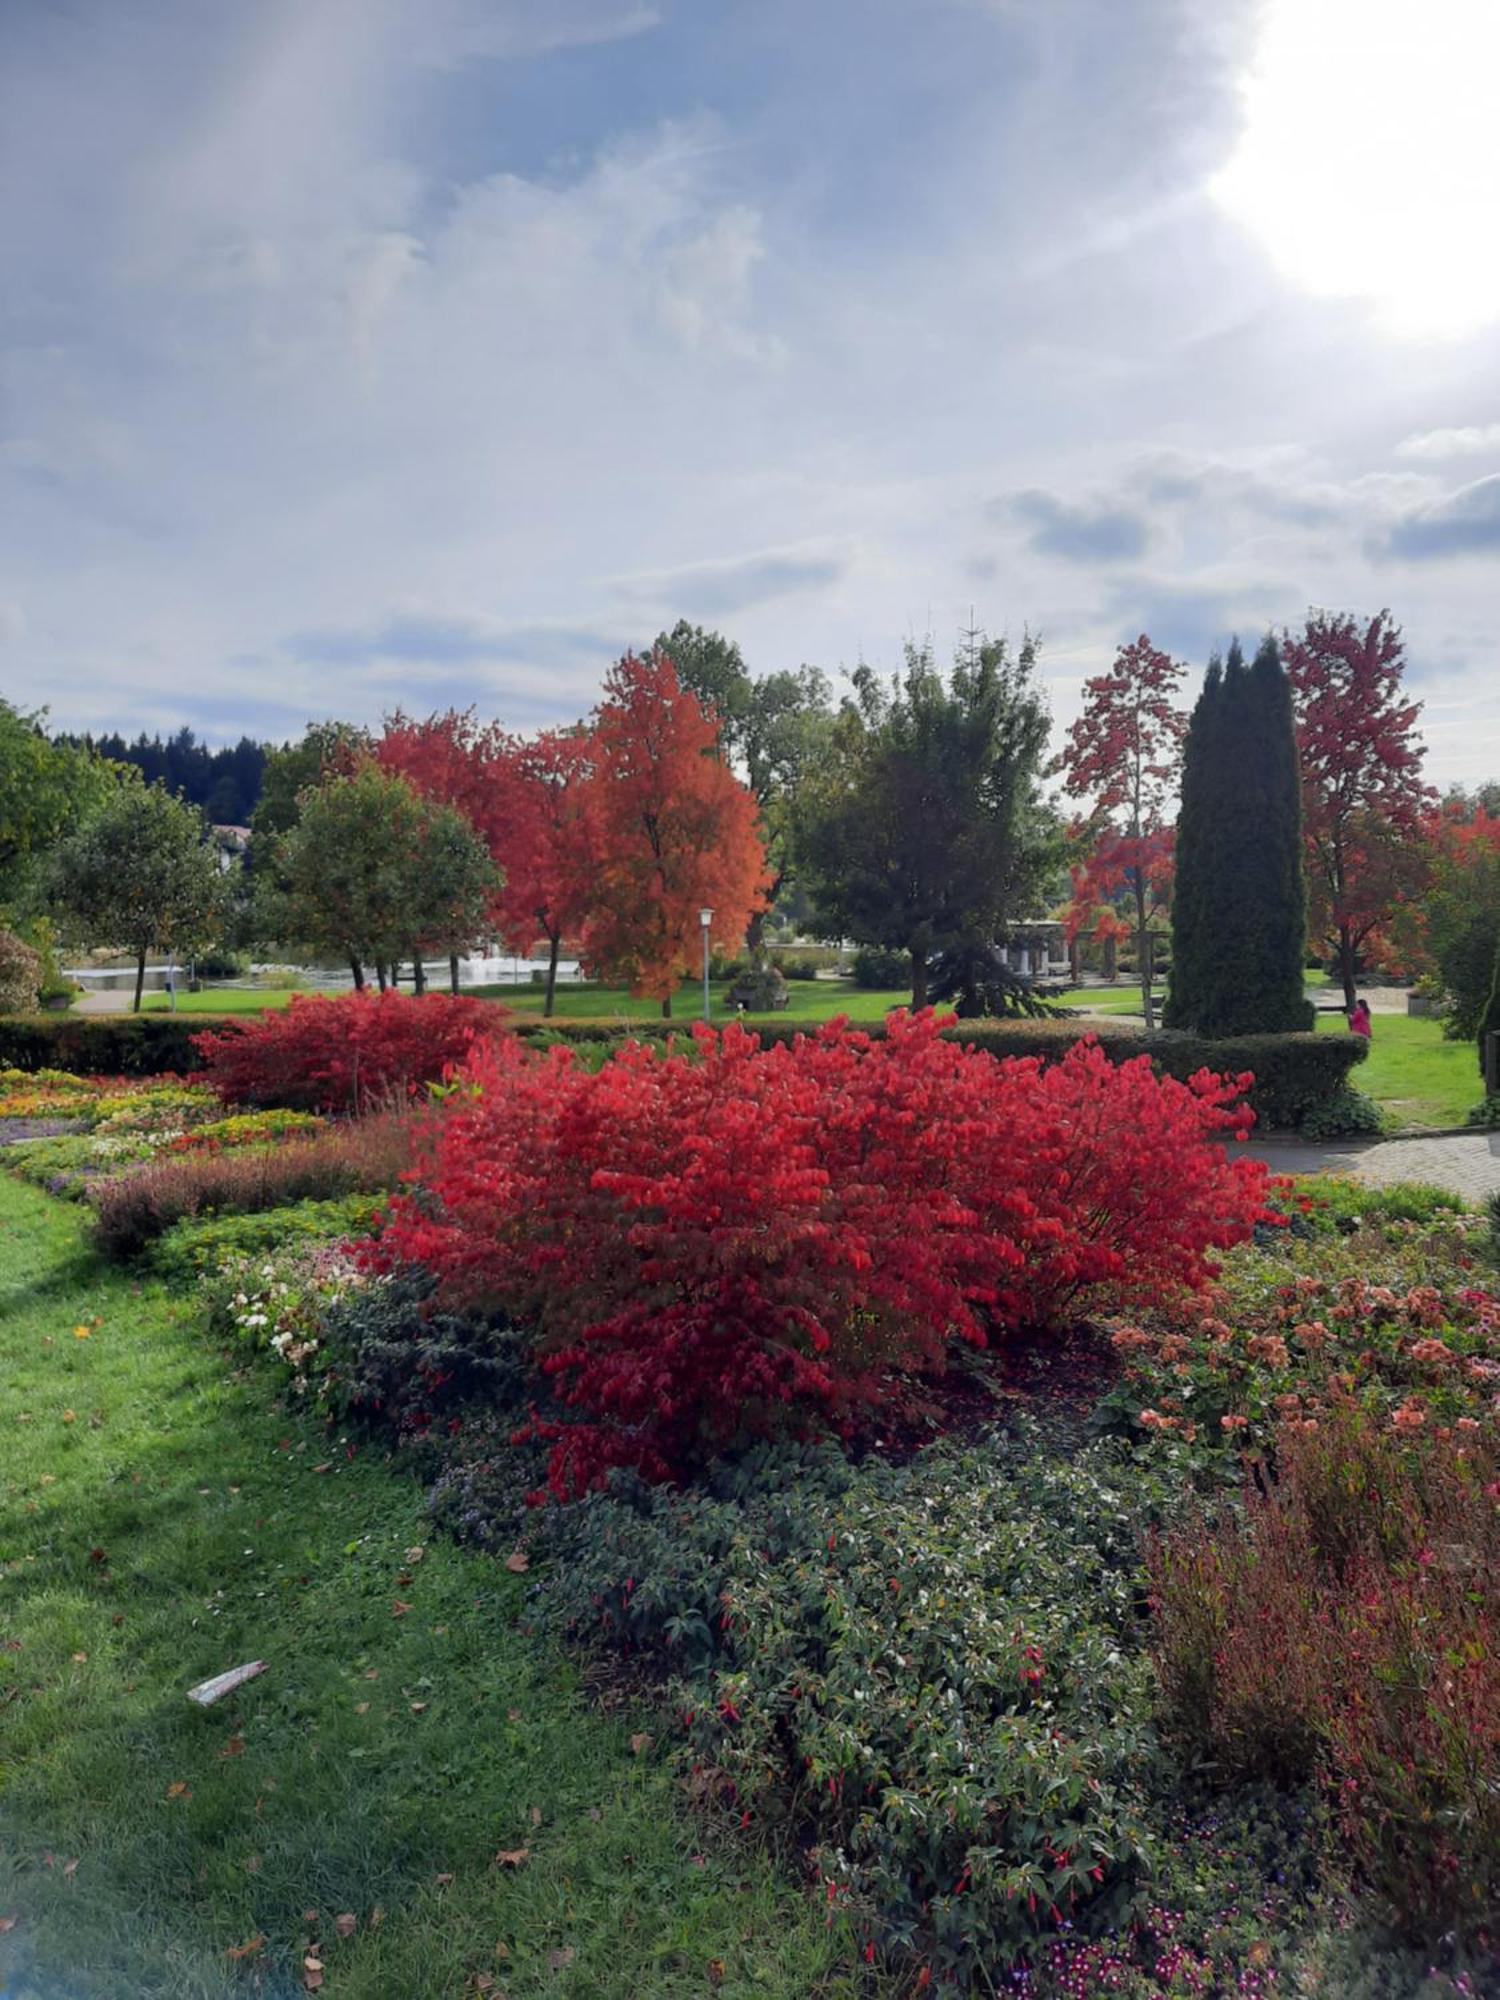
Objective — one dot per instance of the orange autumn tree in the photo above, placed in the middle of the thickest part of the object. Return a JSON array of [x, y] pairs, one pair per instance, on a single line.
[[676, 832], [547, 801]]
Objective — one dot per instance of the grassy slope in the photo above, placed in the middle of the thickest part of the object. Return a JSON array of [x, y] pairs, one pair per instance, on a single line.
[[176, 1524]]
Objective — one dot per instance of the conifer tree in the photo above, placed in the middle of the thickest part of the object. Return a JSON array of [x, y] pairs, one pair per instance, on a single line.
[[1239, 920]]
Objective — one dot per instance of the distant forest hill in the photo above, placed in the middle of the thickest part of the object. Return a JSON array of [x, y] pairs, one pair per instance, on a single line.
[[225, 783]]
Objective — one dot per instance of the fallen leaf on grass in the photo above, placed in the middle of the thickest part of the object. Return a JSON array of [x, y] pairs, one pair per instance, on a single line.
[[361, 1708], [484, 1982], [70, 1416], [309, 1916], [82, 1332], [249, 1948], [70, 1868], [326, 1466], [347, 1924], [98, 1555], [416, 1554], [442, 1880], [8, 1924], [178, 1790], [312, 1973], [518, 1562], [398, 1609], [79, 1658], [595, 1814], [716, 1972], [561, 1958], [235, 1747], [418, 1707], [536, 1815], [513, 1857], [641, 1741], [377, 1917]]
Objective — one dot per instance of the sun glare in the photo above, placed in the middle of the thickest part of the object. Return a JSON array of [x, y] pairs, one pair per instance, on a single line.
[[1370, 160]]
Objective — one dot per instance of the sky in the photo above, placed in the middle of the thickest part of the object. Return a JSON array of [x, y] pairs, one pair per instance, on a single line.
[[357, 353]]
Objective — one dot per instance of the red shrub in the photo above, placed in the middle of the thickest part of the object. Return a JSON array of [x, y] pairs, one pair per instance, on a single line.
[[721, 1243], [1347, 1627], [344, 1054]]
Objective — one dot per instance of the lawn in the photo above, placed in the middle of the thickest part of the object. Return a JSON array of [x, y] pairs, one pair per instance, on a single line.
[[221, 1000], [809, 1000], [164, 1518], [1412, 1072]]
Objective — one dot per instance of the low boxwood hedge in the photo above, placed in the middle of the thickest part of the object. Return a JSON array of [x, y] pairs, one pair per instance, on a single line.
[[1293, 1073], [101, 1044]]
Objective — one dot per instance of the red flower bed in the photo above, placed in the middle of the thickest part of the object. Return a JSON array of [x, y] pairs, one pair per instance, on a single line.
[[346, 1054], [740, 1240]]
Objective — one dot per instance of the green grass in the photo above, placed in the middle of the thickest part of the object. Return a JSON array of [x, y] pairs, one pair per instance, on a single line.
[[809, 1000], [1412, 1072], [221, 1000], [161, 1519]]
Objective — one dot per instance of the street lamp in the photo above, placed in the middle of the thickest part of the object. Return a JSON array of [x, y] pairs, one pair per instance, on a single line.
[[705, 918]]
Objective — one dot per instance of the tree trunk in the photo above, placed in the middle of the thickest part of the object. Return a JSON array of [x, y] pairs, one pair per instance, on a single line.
[[418, 973], [550, 1002], [1143, 948], [918, 981], [381, 979], [1111, 960], [140, 980], [359, 974], [666, 1008], [1346, 967], [453, 972], [1075, 961]]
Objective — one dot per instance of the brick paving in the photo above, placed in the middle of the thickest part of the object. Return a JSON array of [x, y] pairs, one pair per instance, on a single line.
[[1467, 1165]]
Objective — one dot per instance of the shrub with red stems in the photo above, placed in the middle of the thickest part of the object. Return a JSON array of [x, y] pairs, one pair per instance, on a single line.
[[1345, 1627], [731, 1240], [344, 1054]]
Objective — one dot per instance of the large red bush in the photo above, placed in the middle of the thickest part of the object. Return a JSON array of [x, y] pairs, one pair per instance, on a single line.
[[722, 1242], [346, 1054]]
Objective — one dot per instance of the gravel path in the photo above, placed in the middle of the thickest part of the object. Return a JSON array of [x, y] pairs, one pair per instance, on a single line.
[[1468, 1165]]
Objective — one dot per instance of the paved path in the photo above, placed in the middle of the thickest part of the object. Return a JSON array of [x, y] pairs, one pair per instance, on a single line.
[[1468, 1165]]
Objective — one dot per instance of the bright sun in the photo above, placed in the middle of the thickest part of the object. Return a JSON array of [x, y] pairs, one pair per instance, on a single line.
[[1370, 160]]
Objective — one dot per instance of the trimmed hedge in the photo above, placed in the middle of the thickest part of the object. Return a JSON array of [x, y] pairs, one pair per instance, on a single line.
[[1293, 1073], [102, 1044]]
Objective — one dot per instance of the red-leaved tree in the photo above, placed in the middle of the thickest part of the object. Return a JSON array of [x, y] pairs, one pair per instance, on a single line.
[[547, 812], [1363, 799], [676, 832], [1125, 754], [452, 759], [748, 1240]]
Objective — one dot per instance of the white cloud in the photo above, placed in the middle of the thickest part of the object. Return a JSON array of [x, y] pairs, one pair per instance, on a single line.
[[1462, 442]]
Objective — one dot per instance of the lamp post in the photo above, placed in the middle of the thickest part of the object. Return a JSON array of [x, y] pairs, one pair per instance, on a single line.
[[705, 918]]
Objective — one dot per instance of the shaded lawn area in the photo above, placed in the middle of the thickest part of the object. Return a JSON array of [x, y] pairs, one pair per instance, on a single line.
[[810, 1000], [162, 1519]]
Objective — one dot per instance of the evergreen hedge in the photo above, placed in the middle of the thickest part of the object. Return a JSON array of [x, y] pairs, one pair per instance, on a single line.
[[1293, 1073]]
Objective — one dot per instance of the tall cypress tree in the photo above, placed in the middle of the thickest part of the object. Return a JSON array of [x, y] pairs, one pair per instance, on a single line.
[[1239, 919]]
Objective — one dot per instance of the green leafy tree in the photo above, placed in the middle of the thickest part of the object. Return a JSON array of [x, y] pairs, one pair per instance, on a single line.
[[141, 874], [1239, 911], [46, 790], [371, 872], [923, 828]]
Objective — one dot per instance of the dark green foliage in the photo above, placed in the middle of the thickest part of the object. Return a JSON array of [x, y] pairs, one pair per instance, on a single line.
[[101, 1044], [880, 969], [880, 1658], [1489, 1019], [1292, 1072], [1239, 910], [927, 824], [974, 979], [1346, 1112], [399, 1367]]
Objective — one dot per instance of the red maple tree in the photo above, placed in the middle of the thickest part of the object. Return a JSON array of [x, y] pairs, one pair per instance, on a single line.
[[1125, 753], [453, 760], [546, 810], [1363, 799], [676, 832]]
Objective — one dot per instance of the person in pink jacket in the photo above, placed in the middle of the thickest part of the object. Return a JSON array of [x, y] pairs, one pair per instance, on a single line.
[[1359, 1019]]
